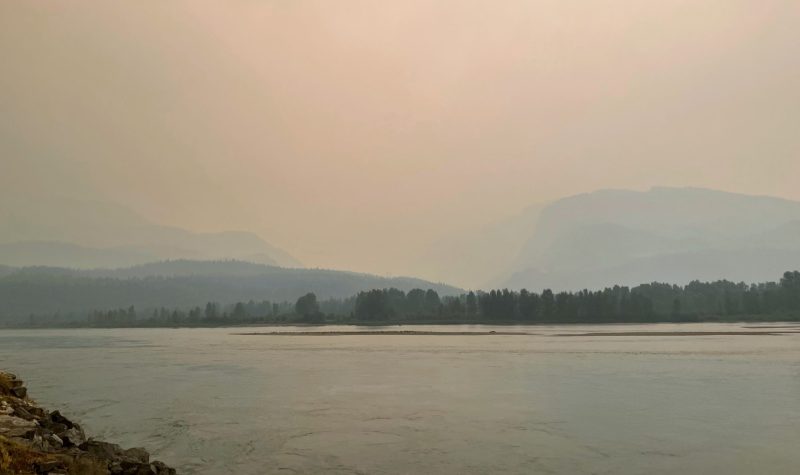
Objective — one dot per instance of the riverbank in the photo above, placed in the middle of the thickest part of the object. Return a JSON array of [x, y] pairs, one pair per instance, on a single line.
[[776, 331], [783, 318], [36, 441], [380, 332]]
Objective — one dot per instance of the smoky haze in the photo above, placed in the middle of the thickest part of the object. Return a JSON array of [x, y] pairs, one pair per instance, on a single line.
[[391, 137]]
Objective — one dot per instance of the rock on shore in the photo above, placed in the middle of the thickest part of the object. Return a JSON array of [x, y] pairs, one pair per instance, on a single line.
[[36, 441]]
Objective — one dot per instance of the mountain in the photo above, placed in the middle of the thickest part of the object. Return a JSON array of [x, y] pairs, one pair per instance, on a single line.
[[50, 290], [89, 234], [63, 254], [473, 256], [664, 234]]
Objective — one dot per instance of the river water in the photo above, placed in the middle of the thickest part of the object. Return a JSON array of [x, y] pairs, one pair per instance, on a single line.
[[209, 401]]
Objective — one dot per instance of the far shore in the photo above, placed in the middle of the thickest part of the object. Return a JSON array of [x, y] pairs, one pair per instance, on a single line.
[[777, 324], [688, 333], [379, 332], [494, 333]]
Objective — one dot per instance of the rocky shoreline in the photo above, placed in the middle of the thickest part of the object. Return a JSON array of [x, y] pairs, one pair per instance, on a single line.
[[36, 441]]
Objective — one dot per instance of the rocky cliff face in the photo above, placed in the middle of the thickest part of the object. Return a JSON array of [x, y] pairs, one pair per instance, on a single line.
[[36, 441]]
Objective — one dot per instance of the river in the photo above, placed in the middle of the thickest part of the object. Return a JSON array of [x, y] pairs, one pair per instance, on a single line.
[[210, 401]]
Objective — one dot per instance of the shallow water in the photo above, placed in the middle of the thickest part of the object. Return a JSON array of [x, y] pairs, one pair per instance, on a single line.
[[211, 402]]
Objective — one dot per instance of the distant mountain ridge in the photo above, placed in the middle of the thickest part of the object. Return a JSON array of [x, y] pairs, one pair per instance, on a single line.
[[664, 234], [88, 234], [181, 284]]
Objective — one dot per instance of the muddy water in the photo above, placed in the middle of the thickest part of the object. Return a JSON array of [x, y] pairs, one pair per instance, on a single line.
[[209, 401]]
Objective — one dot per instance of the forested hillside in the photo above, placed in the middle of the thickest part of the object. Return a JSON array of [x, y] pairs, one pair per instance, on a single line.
[[71, 294]]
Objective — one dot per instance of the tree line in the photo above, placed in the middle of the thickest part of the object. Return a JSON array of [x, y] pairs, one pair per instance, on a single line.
[[655, 302], [720, 300]]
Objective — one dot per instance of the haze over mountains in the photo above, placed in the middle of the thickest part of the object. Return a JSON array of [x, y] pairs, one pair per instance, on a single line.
[[670, 235], [591, 240], [481, 255], [91, 234]]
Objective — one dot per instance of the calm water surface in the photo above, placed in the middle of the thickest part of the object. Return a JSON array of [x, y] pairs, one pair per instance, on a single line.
[[211, 402]]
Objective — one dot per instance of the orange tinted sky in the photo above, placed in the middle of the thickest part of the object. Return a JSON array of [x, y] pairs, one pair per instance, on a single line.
[[353, 133]]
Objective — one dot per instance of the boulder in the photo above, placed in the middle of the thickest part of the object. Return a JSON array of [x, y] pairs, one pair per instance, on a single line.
[[37, 411], [101, 450], [72, 437], [8, 383], [11, 426], [20, 392], [160, 468], [39, 443], [55, 427], [137, 454], [48, 466], [23, 413], [55, 441], [57, 418], [135, 468]]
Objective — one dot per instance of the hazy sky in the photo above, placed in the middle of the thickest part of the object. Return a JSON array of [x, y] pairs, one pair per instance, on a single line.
[[354, 133]]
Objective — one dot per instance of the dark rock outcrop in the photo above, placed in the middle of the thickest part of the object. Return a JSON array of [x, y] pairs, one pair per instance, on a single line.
[[36, 441]]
